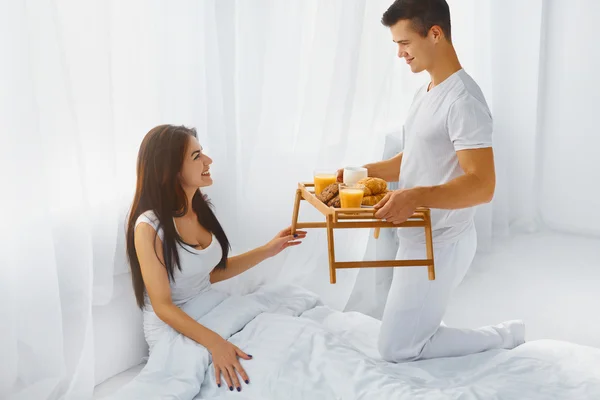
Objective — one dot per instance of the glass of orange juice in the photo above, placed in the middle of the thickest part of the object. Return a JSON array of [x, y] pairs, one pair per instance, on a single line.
[[322, 179], [351, 195]]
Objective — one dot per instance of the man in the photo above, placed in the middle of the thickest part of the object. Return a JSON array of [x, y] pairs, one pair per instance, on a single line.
[[447, 165]]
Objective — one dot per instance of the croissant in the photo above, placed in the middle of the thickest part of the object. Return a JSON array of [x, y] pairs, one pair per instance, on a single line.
[[373, 199], [373, 186]]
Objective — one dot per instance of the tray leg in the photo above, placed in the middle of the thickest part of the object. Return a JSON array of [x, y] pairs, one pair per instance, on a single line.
[[296, 210], [331, 248], [429, 245]]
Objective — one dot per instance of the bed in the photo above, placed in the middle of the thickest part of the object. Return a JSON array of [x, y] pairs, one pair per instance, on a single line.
[[304, 350]]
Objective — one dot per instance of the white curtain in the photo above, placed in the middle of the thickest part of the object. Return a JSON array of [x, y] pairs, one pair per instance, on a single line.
[[314, 84], [275, 90]]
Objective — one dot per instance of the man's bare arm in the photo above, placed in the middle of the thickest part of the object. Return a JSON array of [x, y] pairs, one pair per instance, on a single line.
[[475, 187], [388, 170]]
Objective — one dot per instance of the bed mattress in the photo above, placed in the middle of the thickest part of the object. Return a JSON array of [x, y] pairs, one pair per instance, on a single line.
[[303, 350]]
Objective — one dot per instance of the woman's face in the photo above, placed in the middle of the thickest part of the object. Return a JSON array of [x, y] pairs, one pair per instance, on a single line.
[[195, 170]]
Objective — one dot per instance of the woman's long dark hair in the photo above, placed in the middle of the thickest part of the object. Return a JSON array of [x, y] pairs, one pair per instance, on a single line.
[[158, 188]]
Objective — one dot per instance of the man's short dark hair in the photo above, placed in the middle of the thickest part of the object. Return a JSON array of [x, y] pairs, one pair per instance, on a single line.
[[423, 15]]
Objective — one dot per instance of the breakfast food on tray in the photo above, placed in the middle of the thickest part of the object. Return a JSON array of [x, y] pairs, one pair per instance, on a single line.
[[328, 193], [375, 190], [373, 186], [373, 199], [335, 202]]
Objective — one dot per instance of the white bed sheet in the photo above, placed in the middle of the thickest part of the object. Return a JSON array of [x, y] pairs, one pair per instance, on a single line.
[[111, 385], [324, 354]]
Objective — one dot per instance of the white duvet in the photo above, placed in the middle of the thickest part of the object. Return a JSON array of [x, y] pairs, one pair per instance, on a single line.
[[303, 350]]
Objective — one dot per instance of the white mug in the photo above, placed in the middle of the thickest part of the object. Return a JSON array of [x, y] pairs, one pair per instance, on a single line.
[[354, 174]]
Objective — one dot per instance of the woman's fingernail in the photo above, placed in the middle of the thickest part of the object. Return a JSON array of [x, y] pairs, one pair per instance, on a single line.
[[218, 384], [231, 388], [239, 389], [247, 381], [295, 235], [250, 355]]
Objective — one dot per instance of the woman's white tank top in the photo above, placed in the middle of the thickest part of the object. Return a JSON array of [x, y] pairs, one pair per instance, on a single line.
[[196, 265]]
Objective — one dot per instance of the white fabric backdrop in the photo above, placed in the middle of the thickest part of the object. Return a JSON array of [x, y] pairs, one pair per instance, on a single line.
[[275, 89]]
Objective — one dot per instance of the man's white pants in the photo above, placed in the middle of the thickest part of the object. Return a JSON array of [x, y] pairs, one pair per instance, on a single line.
[[415, 307]]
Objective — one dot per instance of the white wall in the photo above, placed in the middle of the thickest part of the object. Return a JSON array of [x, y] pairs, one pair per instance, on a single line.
[[549, 280], [570, 134]]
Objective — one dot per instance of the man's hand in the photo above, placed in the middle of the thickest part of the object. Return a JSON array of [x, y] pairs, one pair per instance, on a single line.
[[397, 206]]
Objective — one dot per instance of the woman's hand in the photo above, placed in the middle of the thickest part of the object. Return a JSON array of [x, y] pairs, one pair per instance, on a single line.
[[283, 240], [225, 360]]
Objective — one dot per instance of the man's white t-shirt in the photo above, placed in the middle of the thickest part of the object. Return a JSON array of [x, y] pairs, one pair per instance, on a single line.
[[450, 117]]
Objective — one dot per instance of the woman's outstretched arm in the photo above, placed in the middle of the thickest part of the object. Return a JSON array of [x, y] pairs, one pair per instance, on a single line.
[[243, 262], [238, 264]]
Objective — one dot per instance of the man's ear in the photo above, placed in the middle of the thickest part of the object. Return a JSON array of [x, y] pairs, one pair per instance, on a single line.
[[436, 33]]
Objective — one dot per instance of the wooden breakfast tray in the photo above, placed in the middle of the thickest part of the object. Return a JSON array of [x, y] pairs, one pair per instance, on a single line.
[[347, 218]]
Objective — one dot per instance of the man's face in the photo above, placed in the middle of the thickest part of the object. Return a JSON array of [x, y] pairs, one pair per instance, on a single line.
[[416, 50]]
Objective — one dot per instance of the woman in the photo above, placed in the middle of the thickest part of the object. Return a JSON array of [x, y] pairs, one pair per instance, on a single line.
[[177, 248]]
